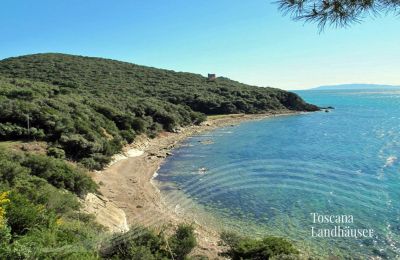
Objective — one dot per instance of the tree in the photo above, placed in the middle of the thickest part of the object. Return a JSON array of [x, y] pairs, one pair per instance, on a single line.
[[239, 248], [90, 115], [339, 13], [183, 241]]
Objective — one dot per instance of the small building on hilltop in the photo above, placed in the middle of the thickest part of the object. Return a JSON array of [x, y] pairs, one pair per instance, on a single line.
[[211, 77]]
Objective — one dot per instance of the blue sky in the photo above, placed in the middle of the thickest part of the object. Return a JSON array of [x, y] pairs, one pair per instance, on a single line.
[[249, 41]]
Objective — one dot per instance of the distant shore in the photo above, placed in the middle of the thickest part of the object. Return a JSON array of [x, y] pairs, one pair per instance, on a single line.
[[127, 182]]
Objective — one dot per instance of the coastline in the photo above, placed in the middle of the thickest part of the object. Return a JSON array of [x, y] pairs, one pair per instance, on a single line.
[[128, 181]]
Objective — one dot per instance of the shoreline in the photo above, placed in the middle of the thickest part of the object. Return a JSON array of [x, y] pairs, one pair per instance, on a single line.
[[128, 183]]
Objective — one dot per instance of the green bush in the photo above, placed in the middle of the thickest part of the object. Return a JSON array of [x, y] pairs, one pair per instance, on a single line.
[[96, 162], [128, 135], [39, 220], [87, 109], [23, 215], [139, 125], [182, 242], [144, 243], [52, 243], [90, 106], [56, 152], [59, 173], [138, 240], [266, 248], [5, 238]]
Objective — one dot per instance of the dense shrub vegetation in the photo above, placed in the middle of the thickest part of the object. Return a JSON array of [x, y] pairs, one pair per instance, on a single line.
[[143, 243], [86, 109], [39, 212], [40, 217], [90, 107], [258, 249]]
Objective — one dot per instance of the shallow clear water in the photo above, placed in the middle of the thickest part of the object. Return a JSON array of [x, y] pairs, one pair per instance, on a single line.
[[266, 177]]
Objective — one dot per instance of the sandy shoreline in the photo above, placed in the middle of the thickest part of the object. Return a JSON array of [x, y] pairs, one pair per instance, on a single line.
[[128, 181]]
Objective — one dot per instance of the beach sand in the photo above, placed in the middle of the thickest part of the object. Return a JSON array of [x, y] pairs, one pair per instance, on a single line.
[[127, 182]]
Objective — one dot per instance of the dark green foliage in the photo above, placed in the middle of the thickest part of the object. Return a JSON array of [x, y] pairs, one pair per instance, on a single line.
[[24, 216], [5, 238], [14, 170], [41, 221], [56, 152], [257, 249], [182, 242], [143, 243], [59, 173], [128, 135], [339, 13], [138, 242], [90, 107]]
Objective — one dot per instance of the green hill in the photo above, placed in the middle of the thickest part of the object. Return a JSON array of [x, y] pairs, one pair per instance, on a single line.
[[88, 108]]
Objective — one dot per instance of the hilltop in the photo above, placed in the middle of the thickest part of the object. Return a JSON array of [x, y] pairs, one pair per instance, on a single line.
[[61, 115], [88, 108]]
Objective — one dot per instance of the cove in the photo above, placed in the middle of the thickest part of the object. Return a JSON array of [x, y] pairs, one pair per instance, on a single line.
[[266, 177]]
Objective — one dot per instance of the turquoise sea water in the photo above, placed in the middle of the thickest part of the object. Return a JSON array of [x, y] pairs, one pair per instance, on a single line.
[[266, 177]]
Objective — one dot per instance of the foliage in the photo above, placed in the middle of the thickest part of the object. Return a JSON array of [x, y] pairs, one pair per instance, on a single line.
[[138, 242], [59, 173], [56, 152], [144, 243], [86, 109], [38, 220], [182, 242], [91, 107], [15, 169], [24, 215], [266, 248], [3, 201], [336, 12]]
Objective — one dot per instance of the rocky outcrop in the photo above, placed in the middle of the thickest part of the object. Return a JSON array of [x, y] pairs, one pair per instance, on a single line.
[[106, 212]]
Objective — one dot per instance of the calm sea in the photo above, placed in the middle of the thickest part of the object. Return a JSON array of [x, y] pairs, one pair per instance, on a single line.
[[267, 177]]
